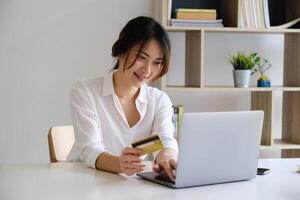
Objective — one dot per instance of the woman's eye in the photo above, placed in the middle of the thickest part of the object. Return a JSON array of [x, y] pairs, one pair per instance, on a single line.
[[157, 64], [141, 57]]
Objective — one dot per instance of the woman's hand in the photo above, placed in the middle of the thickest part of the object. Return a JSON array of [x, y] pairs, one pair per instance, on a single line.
[[166, 161], [129, 160]]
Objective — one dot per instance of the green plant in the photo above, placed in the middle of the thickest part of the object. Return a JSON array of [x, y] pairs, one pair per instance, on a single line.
[[261, 66], [241, 61]]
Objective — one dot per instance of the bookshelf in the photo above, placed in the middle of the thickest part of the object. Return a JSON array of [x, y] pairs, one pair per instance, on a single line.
[[261, 98]]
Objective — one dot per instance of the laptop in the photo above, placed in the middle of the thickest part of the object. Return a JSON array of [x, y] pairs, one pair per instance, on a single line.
[[215, 147]]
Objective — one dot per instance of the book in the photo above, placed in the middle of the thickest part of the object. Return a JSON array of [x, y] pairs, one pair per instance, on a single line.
[[180, 114], [169, 12], [266, 13], [247, 11], [254, 13], [241, 15], [177, 121], [202, 14], [260, 14], [200, 23]]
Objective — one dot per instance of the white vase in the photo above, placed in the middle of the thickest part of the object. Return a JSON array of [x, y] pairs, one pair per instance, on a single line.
[[241, 78]]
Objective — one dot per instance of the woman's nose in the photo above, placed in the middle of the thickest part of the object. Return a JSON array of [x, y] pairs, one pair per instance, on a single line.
[[147, 67]]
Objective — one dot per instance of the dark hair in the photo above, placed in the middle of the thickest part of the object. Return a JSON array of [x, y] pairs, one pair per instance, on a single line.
[[139, 31]]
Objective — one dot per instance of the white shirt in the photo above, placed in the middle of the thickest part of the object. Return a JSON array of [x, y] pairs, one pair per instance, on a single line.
[[100, 123]]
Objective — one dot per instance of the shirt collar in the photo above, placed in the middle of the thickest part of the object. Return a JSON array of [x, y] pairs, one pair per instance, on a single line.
[[108, 89], [108, 85], [142, 97]]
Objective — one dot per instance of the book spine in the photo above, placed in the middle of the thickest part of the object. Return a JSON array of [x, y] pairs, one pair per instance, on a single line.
[[199, 15], [248, 14], [180, 114], [266, 13], [262, 16], [175, 121], [169, 12]]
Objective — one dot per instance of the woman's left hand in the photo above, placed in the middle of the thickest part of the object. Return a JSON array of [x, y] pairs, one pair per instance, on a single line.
[[166, 161]]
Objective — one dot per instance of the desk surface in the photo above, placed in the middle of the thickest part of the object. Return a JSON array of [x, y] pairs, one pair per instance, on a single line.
[[71, 181]]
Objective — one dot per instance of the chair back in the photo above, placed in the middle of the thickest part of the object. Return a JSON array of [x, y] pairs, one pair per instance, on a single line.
[[60, 141]]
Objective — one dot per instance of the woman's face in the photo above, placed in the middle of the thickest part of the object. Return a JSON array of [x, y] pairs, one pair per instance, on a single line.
[[147, 65]]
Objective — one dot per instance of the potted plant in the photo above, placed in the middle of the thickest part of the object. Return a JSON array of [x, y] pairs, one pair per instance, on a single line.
[[262, 65], [242, 68]]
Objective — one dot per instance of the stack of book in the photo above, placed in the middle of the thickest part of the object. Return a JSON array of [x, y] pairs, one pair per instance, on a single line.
[[255, 14], [196, 17], [177, 121]]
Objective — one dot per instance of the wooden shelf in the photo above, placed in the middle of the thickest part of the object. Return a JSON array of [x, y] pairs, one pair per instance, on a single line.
[[261, 98], [229, 29], [229, 89], [280, 144]]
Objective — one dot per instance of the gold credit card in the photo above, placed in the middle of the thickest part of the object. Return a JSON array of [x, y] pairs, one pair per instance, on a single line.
[[148, 145]]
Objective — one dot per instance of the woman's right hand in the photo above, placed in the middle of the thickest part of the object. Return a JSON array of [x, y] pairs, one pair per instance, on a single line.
[[129, 160]]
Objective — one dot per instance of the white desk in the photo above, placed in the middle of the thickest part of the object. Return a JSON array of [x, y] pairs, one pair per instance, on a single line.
[[72, 181]]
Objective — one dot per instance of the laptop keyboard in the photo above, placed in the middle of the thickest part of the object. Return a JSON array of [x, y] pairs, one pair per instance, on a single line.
[[163, 177]]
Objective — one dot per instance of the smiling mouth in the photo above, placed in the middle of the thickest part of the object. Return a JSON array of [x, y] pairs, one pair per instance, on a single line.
[[140, 77]]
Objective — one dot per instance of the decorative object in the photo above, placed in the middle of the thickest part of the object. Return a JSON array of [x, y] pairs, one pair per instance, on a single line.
[[262, 65], [242, 65]]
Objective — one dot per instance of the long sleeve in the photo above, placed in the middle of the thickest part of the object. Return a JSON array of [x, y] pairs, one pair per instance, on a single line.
[[163, 125], [88, 135]]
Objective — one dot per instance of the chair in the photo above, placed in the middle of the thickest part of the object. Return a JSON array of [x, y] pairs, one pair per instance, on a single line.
[[60, 141]]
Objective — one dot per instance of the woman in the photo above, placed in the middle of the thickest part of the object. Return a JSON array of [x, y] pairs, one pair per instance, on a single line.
[[110, 113]]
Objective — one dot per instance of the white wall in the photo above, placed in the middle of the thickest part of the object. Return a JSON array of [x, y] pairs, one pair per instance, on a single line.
[[46, 45]]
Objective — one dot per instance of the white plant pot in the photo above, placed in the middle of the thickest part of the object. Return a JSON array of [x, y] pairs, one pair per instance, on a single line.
[[241, 78]]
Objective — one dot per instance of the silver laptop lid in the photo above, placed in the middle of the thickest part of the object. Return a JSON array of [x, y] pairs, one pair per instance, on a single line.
[[218, 147]]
